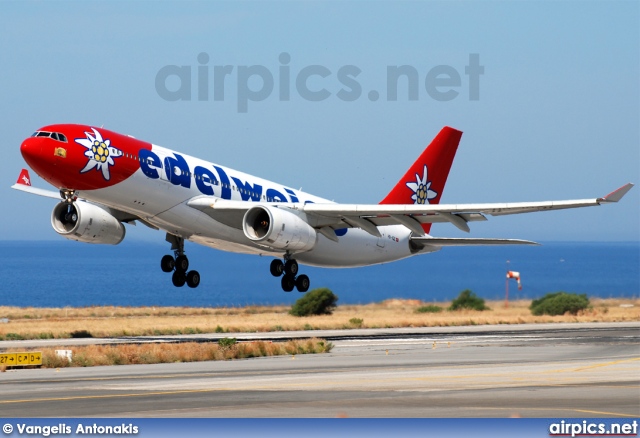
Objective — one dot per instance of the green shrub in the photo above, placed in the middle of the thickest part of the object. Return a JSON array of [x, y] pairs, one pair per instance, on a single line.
[[429, 309], [317, 302], [468, 300], [324, 348], [227, 343], [559, 303], [356, 322]]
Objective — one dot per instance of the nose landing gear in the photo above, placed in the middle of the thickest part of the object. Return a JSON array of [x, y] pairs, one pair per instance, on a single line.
[[289, 272], [179, 265]]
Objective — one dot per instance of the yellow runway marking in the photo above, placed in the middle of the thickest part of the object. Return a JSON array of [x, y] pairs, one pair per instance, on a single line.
[[519, 410], [606, 413], [606, 364], [597, 365]]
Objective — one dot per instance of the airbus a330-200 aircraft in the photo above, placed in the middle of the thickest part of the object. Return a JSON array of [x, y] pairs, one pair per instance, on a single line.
[[106, 179]]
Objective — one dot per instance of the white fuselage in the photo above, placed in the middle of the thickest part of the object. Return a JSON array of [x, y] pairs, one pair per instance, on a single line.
[[158, 194]]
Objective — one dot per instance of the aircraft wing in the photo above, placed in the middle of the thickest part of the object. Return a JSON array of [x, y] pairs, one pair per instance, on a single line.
[[457, 214], [37, 191], [325, 217]]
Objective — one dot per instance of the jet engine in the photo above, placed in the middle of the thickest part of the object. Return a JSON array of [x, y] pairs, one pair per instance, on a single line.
[[278, 228], [86, 222]]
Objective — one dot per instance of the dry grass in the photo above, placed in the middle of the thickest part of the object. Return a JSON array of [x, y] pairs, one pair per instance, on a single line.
[[129, 354], [47, 323]]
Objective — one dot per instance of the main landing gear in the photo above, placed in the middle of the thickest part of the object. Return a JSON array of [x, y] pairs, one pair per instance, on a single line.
[[179, 265], [289, 272]]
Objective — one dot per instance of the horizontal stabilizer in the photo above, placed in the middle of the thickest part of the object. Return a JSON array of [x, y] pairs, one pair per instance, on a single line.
[[37, 191], [453, 241], [24, 184]]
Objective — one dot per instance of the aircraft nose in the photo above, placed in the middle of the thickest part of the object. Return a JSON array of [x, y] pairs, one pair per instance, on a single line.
[[31, 149]]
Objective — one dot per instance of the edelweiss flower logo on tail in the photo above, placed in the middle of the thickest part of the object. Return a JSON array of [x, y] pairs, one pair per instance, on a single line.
[[422, 192], [100, 153]]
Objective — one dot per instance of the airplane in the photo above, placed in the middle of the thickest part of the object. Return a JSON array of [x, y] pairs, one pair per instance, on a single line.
[[105, 179]]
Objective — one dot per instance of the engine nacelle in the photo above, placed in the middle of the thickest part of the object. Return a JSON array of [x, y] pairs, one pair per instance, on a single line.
[[277, 228], [86, 222]]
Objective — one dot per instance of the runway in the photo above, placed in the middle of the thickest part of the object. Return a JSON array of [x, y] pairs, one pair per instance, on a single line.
[[551, 370]]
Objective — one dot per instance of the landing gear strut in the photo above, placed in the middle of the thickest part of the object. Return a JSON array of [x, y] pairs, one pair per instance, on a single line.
[[68, 196], [289, 272], [179, 265]]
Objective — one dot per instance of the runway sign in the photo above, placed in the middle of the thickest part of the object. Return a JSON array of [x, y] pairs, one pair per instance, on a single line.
[[21, 359]]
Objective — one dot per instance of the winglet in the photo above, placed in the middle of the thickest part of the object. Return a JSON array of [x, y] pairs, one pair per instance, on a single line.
[[616, 195], [24, 178]]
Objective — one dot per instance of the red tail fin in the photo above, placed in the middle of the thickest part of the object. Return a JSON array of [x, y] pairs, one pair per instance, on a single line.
[[424, 181]]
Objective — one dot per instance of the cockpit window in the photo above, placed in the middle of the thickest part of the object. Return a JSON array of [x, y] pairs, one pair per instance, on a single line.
[[54, 135]]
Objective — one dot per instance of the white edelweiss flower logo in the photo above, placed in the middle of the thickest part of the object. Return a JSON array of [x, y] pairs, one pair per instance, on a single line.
[[100, 153], [422, 192]]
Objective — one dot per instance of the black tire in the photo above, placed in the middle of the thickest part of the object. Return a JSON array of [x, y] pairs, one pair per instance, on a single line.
[[178, 278], [193, 279], [167, 263], [302, 283], [182, 263], [288, 283], [276, 268], [291, 268]]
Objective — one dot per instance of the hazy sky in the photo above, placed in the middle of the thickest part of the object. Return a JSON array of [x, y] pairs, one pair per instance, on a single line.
[[555, 113]]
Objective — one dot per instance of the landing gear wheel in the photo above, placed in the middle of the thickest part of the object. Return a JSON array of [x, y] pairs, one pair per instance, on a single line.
[[193, 279], [276, 268], [167, 263], [178, 279], [182, 263], [291, 267], [302, 283], [288, 283]]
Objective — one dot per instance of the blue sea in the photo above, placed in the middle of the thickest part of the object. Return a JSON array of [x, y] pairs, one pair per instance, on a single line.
[[65, 273]]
